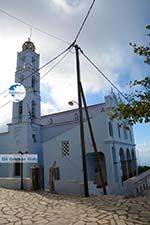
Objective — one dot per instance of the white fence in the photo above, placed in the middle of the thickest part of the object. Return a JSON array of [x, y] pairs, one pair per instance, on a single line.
[[137, 184]]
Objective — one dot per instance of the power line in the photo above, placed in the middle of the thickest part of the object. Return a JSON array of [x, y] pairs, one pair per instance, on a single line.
[[55, 65], [84, 21], [50, 61], [5, 104], [96, 67], [3, 92], [67, 52], [34, 27]]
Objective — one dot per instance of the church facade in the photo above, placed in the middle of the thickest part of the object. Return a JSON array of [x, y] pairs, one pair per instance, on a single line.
[[56, 137]]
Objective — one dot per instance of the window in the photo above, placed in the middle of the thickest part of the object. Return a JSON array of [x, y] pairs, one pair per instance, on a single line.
[[34, 138], [33, 110], [33, 82], [20, 111], [23, 61], [125, 133], [130, 135], [17, 169], [65, 148], [110, 129], [119, 133], [33, 61]]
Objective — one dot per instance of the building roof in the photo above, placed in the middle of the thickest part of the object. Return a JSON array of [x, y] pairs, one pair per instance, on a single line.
[[70, 111]]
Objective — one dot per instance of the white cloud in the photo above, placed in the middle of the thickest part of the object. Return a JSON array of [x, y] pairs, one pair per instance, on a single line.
[[47, 108], [69, 5], [104, 38]]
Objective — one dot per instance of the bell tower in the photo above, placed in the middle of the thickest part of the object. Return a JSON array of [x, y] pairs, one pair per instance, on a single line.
[[27, 73]]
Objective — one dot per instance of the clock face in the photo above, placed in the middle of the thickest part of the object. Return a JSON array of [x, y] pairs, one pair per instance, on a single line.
[[17, 92]]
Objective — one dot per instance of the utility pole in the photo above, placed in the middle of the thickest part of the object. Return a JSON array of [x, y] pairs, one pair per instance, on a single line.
[[97, 156], [84, 163]]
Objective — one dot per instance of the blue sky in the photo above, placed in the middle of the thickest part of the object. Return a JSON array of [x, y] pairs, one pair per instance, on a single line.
[[105, 39]]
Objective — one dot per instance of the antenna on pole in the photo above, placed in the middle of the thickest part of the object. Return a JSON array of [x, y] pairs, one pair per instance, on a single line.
[[30, 34]]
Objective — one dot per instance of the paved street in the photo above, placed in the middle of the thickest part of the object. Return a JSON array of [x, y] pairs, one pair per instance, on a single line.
[[19, 207]]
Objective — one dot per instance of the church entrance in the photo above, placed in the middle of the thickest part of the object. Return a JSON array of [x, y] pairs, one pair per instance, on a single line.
[[93, 170]]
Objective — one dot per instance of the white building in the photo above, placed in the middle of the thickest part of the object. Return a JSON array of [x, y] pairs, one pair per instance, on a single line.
[[57, 137]]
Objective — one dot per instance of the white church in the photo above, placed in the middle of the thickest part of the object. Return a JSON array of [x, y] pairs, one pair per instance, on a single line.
[[56, 137]]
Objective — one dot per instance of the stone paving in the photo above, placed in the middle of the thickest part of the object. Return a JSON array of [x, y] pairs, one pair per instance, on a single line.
[[21, 207]]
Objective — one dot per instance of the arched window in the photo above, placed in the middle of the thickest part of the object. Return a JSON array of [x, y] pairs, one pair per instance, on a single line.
[[33, 82], [125, 132], [33, 110], [34, 138], [23, 61], [119, 133], [130, 135], [33, 61], [110, 129], [20, 111]]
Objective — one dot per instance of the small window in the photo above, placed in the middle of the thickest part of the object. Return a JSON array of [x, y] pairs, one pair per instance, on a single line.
[[125, 133], [65, 148], [23, 61], [33, 110], [20, 108], [33, 82], [110, 129], [34, 138], [20, 111], [130, 135], [33, 61], [17, 169]]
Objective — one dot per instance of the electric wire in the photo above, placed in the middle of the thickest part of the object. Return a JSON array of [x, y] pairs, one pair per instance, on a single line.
[[67, 52], [96, 67], [64, 56], [46, 64], [50, 61], [5, 104], [34, 27], [84, 21]]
